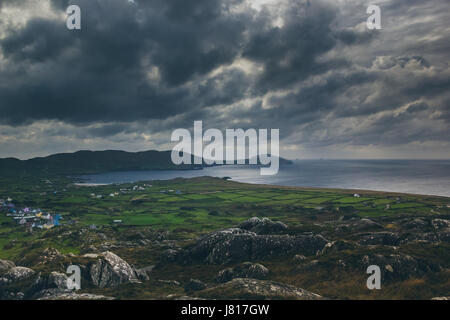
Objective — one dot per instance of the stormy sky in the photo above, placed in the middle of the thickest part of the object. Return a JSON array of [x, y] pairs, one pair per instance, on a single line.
[[139, 69]]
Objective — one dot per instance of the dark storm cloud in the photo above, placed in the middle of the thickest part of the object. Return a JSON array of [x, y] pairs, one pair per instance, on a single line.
[[100, 72], [30, 46], [289, 53], [308, 67]]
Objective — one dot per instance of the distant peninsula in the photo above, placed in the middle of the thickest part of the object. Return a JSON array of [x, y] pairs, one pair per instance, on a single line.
[[93, 162]]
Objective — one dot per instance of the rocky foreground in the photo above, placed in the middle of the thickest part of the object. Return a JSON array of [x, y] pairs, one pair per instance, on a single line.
[[259, 259]]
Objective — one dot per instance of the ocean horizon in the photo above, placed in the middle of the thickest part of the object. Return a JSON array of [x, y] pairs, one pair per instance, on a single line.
[[426, 177]]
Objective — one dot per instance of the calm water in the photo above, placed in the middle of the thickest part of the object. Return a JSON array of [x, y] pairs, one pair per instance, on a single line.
[[410, 176]]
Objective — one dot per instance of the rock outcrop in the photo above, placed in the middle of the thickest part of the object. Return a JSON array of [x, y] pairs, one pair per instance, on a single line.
[[336, 246], [142, 273], [441, 298], [359, 225], [18, 274], [235, 245], [73, 296], [169, 255], [417, 223], [439, 224], [244, 270], [308, 266], [110, 270], [263, 226], [400, 266], [381, 238], [57, 280], [6, 265], [257, 289], [51, 254], [50, 285], [194, 285]]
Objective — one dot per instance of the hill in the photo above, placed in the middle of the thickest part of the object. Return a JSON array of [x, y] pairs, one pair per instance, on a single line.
[[90, 162]]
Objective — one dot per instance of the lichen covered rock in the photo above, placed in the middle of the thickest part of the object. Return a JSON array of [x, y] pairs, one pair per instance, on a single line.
[[111, 270], [244, 270], [257, 289]]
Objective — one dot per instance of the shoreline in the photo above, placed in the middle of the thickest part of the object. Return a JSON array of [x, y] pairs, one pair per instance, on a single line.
[[274, 186]]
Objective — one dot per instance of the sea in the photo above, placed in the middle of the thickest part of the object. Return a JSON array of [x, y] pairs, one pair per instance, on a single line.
[[427, 177]]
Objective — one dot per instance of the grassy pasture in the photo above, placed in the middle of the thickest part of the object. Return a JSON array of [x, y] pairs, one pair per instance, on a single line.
[[204, 204]]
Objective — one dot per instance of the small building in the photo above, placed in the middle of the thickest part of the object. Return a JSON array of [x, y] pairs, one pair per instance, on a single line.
[[357, 195], [48, 225], [56, 219], [117, 221]]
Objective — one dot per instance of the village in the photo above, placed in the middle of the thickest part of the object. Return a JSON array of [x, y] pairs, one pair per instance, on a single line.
[[36, 218], [122, 191], [29, 217]]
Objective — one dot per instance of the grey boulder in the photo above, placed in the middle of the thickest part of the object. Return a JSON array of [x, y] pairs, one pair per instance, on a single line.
[[111, 270], [257, 289], [263, 226], [6, 265], [235, 245], [244, 270], [19, 274], [194, 285]]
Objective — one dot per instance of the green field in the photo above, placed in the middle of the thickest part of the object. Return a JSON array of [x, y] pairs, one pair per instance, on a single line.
[[199, 206]]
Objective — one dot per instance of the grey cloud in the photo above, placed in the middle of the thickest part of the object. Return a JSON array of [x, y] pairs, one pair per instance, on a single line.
[[152, 66]]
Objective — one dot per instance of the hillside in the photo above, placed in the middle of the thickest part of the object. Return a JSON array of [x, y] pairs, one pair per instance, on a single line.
[[91, 162], [209, 238]]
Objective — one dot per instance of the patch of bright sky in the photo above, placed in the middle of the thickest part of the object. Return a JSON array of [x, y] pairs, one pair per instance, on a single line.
[[257, 4], [16, 17]]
